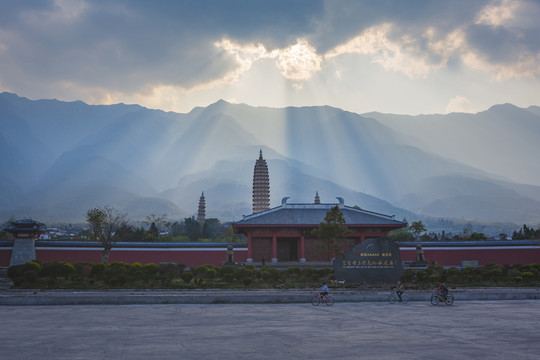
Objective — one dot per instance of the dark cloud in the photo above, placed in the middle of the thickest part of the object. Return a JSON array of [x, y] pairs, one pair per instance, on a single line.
[[127, 45], [510, 42], [498, 44], [345, 19], [130, 43]]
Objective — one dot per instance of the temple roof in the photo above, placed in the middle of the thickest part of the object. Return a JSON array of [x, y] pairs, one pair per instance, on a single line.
[[26, 225], [314, 214]]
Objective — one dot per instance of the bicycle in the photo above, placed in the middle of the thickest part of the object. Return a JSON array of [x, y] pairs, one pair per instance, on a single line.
[[394, 297], [325, 299], [437, 297]]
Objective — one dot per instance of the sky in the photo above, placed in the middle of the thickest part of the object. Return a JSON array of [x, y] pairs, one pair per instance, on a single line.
[[392, 56]]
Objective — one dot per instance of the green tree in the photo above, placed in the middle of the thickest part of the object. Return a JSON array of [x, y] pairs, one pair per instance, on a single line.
[[530, 233], [105, 223], [416, 228], [477, 236], [332, 232], [229, 235], [130, 233], [211, 228], [401, 235], [176, 229], [158, 223], [191, 229], [467, 230], [153, 232]]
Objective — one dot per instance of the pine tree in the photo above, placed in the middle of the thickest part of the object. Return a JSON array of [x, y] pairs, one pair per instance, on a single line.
[[332, 233]]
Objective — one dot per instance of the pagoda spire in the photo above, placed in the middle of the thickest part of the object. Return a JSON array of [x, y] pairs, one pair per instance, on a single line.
[[317, 198], [261, 185]]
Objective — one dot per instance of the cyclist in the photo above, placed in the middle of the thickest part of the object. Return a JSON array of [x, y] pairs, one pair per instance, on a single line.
[[443, 290], [400, 289], [323, 290]]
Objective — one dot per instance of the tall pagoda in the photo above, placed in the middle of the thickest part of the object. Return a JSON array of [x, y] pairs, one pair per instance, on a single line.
[[261, 185], [201, 215]]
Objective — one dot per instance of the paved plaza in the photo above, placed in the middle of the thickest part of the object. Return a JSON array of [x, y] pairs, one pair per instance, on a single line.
[[368, 330]]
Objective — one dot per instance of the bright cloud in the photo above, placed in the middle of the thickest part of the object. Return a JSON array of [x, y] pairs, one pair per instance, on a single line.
[[448, 46], [399, 55], [460, 104], [244, 55], [500, 14], [406, 54], [296, 62], [299, 61], [525, 66]]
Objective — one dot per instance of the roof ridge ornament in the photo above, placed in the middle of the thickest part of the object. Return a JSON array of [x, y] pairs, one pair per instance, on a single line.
[[341, 201], [284, 200]]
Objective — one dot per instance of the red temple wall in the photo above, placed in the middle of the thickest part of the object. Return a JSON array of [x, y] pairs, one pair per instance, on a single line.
[[187, 256], [452, 256]]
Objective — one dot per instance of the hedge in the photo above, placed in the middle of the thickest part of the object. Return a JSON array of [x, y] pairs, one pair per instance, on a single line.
[[168, 275], [490, 274]]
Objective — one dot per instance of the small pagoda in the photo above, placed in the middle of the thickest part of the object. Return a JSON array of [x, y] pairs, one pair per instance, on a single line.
[[201, 214]]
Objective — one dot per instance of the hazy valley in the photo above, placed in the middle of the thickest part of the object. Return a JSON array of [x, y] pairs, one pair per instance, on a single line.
[[60, 159]]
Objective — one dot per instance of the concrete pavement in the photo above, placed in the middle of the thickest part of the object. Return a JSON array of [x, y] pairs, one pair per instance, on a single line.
[[127, 297], [348, 330]]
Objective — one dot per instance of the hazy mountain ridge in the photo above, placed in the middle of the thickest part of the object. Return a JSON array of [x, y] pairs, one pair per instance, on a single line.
[[501, 140], [149, 161]]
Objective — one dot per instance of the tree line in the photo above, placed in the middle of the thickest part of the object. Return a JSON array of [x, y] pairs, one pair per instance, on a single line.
[[109, 225], [417, 231]]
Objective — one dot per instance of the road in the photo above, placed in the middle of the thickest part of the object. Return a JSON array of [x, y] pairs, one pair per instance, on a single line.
[[368, 330]]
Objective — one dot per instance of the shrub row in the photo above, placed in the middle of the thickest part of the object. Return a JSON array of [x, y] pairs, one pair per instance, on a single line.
[[34, 274], [490, 274]]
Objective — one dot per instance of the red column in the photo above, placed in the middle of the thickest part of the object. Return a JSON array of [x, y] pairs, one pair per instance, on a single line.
[[274, 248], [302, 249], [250, 249]]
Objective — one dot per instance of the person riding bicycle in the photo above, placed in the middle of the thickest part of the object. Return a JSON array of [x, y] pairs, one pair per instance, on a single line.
[[400, 289], [323, 290], [442, 290]]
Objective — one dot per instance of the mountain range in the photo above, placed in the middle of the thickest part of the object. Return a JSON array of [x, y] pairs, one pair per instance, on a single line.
[[60, 159]]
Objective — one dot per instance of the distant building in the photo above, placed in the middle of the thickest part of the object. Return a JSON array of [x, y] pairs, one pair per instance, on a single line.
[[261, 185], [284, 233], [201, 215]]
